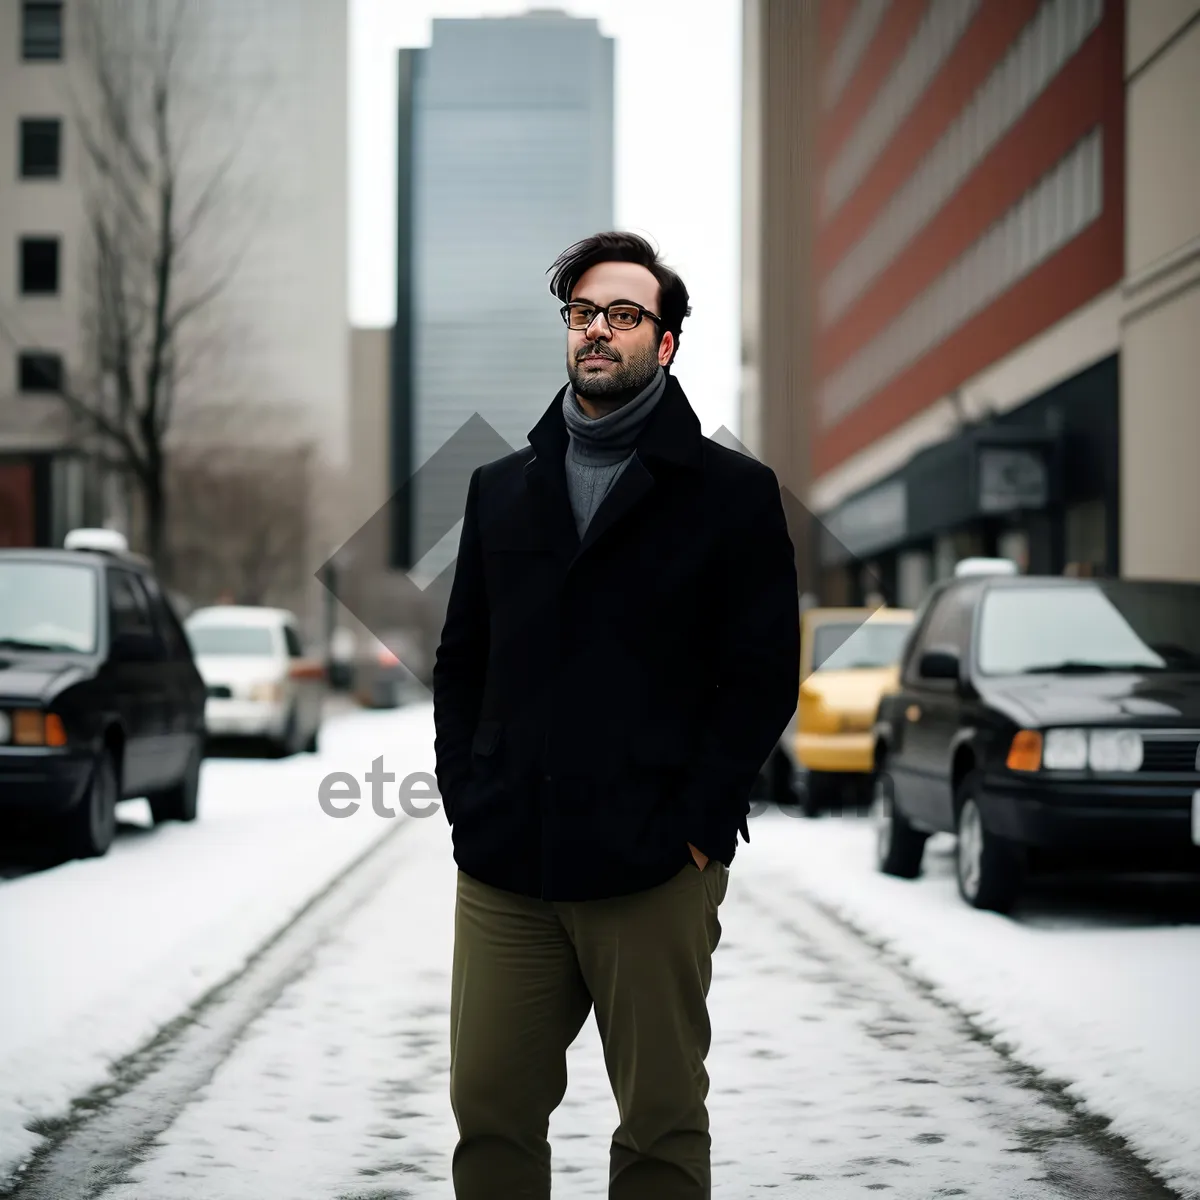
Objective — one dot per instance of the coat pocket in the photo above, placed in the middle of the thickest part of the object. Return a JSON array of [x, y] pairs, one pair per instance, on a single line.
[[485, 769], [658, 757]]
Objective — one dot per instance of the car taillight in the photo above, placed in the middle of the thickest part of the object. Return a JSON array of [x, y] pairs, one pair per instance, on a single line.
[[1025, 753], [306, 670]]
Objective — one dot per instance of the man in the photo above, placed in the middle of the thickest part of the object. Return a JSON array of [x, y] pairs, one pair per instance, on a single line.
[[619, 656]]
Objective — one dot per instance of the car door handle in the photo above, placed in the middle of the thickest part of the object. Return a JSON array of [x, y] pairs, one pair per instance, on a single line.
[[913, 713]]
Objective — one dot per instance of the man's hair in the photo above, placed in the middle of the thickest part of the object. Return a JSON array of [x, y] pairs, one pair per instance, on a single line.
[[572, 263]]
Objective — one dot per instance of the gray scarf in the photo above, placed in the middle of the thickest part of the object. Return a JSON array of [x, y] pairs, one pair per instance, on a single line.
[[602, 441], [601, 448]]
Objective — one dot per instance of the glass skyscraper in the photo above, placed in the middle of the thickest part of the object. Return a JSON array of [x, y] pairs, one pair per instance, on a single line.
[[506, 158]]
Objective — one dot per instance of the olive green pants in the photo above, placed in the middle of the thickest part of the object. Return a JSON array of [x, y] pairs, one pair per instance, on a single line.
[[526, 974]]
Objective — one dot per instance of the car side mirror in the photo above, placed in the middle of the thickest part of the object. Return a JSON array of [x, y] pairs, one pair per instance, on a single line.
[[938, 664], [133, 647]]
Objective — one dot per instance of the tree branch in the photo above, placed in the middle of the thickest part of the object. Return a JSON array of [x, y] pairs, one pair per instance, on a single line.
[[191, 307], [166, 247], [80, 408]]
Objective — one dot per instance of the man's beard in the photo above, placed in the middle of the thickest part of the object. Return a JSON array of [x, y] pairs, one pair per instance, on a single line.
[[613, 388]]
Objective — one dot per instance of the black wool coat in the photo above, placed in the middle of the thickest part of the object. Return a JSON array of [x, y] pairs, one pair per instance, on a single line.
[[600, 704]]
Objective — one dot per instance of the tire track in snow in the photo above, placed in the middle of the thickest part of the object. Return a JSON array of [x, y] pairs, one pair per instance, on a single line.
[[932, 1046], [93, 1147]]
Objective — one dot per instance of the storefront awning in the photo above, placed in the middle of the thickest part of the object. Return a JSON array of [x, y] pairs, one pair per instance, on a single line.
[[988, 471]]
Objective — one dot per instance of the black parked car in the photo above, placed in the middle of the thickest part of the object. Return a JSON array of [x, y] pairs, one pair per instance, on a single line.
[[99, 697], [1046, 722]]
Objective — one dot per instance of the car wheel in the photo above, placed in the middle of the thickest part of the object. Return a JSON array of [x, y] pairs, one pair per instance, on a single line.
[[781, 790], [179, 803], [285, 745], [899, 848], [312, 745], [863, 791], [990, 869], [92, 823], [815, 798]]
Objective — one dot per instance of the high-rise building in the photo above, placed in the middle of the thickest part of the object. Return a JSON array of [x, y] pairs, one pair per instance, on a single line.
[[506, 158], [989, 273], [259, 107]]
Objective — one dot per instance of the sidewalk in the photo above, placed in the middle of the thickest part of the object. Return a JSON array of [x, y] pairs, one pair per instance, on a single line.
[[832, 1076], [1093, 982]]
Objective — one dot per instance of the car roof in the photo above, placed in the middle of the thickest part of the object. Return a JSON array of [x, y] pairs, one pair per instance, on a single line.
[[96, 558], [1020, 581], [820, 615], [980, 585], [240, 614]]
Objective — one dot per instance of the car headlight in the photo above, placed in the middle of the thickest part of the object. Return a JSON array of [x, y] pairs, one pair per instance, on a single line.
[[1115, 750], [1101, 750], [1065, 750], [269, 692]]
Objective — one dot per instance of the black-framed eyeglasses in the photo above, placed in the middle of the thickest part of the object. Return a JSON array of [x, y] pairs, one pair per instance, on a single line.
[[620, 314]]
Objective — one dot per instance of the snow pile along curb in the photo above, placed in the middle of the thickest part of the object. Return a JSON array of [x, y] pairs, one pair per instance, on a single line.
[[100, 955], [1110, 1012]]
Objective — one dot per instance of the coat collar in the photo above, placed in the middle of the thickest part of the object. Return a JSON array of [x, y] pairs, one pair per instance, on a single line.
[[672, 434]]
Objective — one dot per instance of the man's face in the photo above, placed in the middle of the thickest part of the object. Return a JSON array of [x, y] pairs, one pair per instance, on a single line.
[[616, 364]]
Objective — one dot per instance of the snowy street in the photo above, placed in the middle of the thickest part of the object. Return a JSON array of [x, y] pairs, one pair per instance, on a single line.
[[869, 1034]]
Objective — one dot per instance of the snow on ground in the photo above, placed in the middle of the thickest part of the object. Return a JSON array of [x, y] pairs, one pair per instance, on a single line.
[[832, 1076], [97, 955], [818, 1077], [1107, 1007]]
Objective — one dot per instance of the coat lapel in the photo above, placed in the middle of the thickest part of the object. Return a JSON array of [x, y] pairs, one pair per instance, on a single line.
[[630, 488], [672, 434], [546, 479]]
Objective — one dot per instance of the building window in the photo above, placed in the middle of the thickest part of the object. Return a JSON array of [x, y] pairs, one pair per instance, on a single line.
[[944, 23], [40, 148], [39, 266], [41, 32], [39, 372], [1014, 245], [860, 30], [1045, 46]]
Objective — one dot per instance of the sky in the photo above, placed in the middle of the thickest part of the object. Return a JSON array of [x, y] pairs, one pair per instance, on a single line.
[[678, 128]]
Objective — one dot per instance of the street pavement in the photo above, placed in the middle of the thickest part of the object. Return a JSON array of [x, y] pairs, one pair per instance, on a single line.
[[322, 1070]]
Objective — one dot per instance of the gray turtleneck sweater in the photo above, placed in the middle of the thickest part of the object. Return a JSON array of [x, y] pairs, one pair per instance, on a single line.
[[601, 447]]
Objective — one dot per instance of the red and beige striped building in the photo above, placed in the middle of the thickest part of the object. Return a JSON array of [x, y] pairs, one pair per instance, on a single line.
[[969, 275]]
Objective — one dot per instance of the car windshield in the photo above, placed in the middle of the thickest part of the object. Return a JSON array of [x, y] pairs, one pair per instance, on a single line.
[[236, 640], [47, 606], [858, 645], [1103, 626]]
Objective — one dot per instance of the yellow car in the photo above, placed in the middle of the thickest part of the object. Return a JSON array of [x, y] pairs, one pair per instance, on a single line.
[[849, 657]]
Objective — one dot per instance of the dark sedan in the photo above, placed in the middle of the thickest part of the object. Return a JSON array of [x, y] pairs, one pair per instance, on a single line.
[[99, 697], [1044, 721]]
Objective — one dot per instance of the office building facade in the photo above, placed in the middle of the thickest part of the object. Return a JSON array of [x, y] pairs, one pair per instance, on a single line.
[[263, 90], [505, 159], [991, 186]]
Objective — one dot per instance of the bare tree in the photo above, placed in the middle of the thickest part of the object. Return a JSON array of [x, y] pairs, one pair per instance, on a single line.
[[155, 259], [240, 523]]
